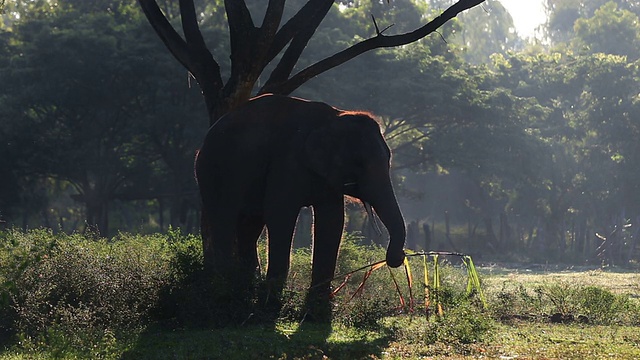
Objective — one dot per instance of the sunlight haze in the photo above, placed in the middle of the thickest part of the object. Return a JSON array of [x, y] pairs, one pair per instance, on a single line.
[[527, 15]]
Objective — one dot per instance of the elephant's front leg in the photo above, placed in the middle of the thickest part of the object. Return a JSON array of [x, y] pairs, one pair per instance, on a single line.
[[280, 219], [328, 227]]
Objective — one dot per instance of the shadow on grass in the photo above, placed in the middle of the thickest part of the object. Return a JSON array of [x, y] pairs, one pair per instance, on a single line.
[[282, 341]]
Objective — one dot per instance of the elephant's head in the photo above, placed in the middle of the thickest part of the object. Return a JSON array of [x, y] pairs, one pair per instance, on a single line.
[[351, 154]]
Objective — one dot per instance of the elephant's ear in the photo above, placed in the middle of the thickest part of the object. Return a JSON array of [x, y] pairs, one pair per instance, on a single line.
[[323, 150]]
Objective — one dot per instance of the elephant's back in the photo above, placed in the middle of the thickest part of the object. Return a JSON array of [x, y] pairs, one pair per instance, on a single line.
[[280, 112], [257, 132]]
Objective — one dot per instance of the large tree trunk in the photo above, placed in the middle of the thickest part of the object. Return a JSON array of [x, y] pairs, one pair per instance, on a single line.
[[97, 215]]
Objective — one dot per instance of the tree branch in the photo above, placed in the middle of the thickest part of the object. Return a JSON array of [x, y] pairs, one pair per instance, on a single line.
[[190, 24], [172, 40], [268, 31], [379, 41], [272, 18], [311, 10], [241, 25], [193, 53], [296, 47]]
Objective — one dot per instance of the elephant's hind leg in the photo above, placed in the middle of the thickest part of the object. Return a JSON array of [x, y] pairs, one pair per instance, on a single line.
[[250, 227]]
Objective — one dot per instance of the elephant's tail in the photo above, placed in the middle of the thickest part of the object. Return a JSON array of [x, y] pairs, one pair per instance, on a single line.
[[195, 165]]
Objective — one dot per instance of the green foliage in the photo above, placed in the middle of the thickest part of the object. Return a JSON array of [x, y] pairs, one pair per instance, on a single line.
[[460, 326], [18, 252], [610, 30], [77, 292], [97, 121], [562, 302], [87, 289], [603, 307]]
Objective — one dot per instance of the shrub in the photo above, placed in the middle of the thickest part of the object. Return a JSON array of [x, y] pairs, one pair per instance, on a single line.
[[461, 325], [565, 302], [81, 288], [18, 252], [364, 313], [601, 306], [518, 302], [114, 283]]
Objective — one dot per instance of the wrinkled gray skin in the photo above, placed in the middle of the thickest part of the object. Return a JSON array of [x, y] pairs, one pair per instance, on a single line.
[[262, 162]]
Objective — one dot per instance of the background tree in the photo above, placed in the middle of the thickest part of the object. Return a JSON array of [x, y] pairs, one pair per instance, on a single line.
[[563, 14], [79, 89], [610, 30], [483, 33]]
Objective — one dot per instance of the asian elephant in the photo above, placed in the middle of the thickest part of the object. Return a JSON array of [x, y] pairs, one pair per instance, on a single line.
[[264, 161]]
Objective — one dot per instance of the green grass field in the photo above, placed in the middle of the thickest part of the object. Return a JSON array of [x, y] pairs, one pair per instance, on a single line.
[[66, 297]]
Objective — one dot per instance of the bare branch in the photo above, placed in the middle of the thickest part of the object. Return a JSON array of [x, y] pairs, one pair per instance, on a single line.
[[241, 25], [190, 23], [313, 9], [272, 18], [298, 43], [386, 28], [172, 40], [378, 31], [375, 24], [379, 41]]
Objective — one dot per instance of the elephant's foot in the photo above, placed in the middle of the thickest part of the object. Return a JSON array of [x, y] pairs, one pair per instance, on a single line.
[[269, 301], [318, 306]]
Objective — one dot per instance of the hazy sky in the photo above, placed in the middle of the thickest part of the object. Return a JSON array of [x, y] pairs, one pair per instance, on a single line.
[[527, 15]]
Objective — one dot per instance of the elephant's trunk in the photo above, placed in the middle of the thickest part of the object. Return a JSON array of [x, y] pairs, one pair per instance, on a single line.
[[388, 211]]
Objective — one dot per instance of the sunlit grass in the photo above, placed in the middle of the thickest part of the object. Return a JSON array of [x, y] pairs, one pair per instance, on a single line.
[[548, 341], [617, 280]]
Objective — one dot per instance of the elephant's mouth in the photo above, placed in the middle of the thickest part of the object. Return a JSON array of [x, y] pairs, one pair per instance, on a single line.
[[374, 219]]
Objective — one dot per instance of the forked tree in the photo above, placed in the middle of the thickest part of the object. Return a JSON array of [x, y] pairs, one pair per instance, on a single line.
[[254, 47]]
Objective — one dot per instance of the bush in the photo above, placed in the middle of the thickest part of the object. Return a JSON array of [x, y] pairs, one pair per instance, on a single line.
[[601, 306], [460, 326], [565, 303], [18, 252], [80, 288]]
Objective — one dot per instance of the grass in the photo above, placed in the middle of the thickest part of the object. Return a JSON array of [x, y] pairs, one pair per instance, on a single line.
[[286, 341], [551, 341], [76, 297], [617, 280]]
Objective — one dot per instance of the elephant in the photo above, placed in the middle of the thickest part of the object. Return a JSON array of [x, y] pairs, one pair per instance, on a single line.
[[262, 162]]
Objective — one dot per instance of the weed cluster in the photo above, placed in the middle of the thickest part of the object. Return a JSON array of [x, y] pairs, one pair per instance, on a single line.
[[562, 302]]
